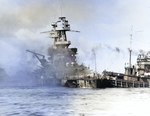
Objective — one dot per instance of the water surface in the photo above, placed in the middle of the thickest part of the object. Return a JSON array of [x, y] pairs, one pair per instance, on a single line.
[[62, 101]]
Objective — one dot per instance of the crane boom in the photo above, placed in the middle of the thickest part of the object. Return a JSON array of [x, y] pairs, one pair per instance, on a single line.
[[42, 61], [36, 53]]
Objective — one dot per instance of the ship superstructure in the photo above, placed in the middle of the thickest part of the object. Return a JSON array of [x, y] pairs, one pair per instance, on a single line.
[[141, 68], [61, 56], [143, 63]]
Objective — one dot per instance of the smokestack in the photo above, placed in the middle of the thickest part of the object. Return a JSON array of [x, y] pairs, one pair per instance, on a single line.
[[130, 58]]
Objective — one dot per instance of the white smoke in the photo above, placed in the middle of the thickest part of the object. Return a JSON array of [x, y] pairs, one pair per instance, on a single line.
[[99, 22]]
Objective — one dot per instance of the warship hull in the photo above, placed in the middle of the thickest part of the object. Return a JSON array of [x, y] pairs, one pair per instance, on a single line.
[[104, 83], [109, 80]]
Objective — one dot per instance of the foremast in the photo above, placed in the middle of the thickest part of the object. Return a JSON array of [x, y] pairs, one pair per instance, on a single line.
[[58, 33]]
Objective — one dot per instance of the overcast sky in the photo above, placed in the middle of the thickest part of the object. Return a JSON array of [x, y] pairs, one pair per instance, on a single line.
[[104, 25]]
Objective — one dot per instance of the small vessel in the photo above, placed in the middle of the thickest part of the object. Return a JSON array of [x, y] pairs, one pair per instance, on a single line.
[[137, 75]]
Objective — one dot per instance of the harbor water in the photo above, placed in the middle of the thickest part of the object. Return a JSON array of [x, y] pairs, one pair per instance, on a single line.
[[62, 101]]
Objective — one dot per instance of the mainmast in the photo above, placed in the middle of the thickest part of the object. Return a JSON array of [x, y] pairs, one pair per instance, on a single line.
[[130, 49], [129, 68]]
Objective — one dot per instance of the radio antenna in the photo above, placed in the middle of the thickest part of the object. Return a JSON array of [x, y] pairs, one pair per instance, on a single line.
[[61, 10]]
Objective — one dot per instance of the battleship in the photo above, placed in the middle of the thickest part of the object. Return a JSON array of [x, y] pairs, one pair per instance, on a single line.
[[62, 65]]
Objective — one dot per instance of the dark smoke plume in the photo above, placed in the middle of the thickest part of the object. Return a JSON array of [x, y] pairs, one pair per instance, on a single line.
[[117, 49]]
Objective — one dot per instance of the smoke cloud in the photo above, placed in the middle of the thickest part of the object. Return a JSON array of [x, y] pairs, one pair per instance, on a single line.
[[115, 49], [21, 24], [99, 22]]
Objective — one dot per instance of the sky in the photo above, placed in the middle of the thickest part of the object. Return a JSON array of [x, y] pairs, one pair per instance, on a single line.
[[105, 27]]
